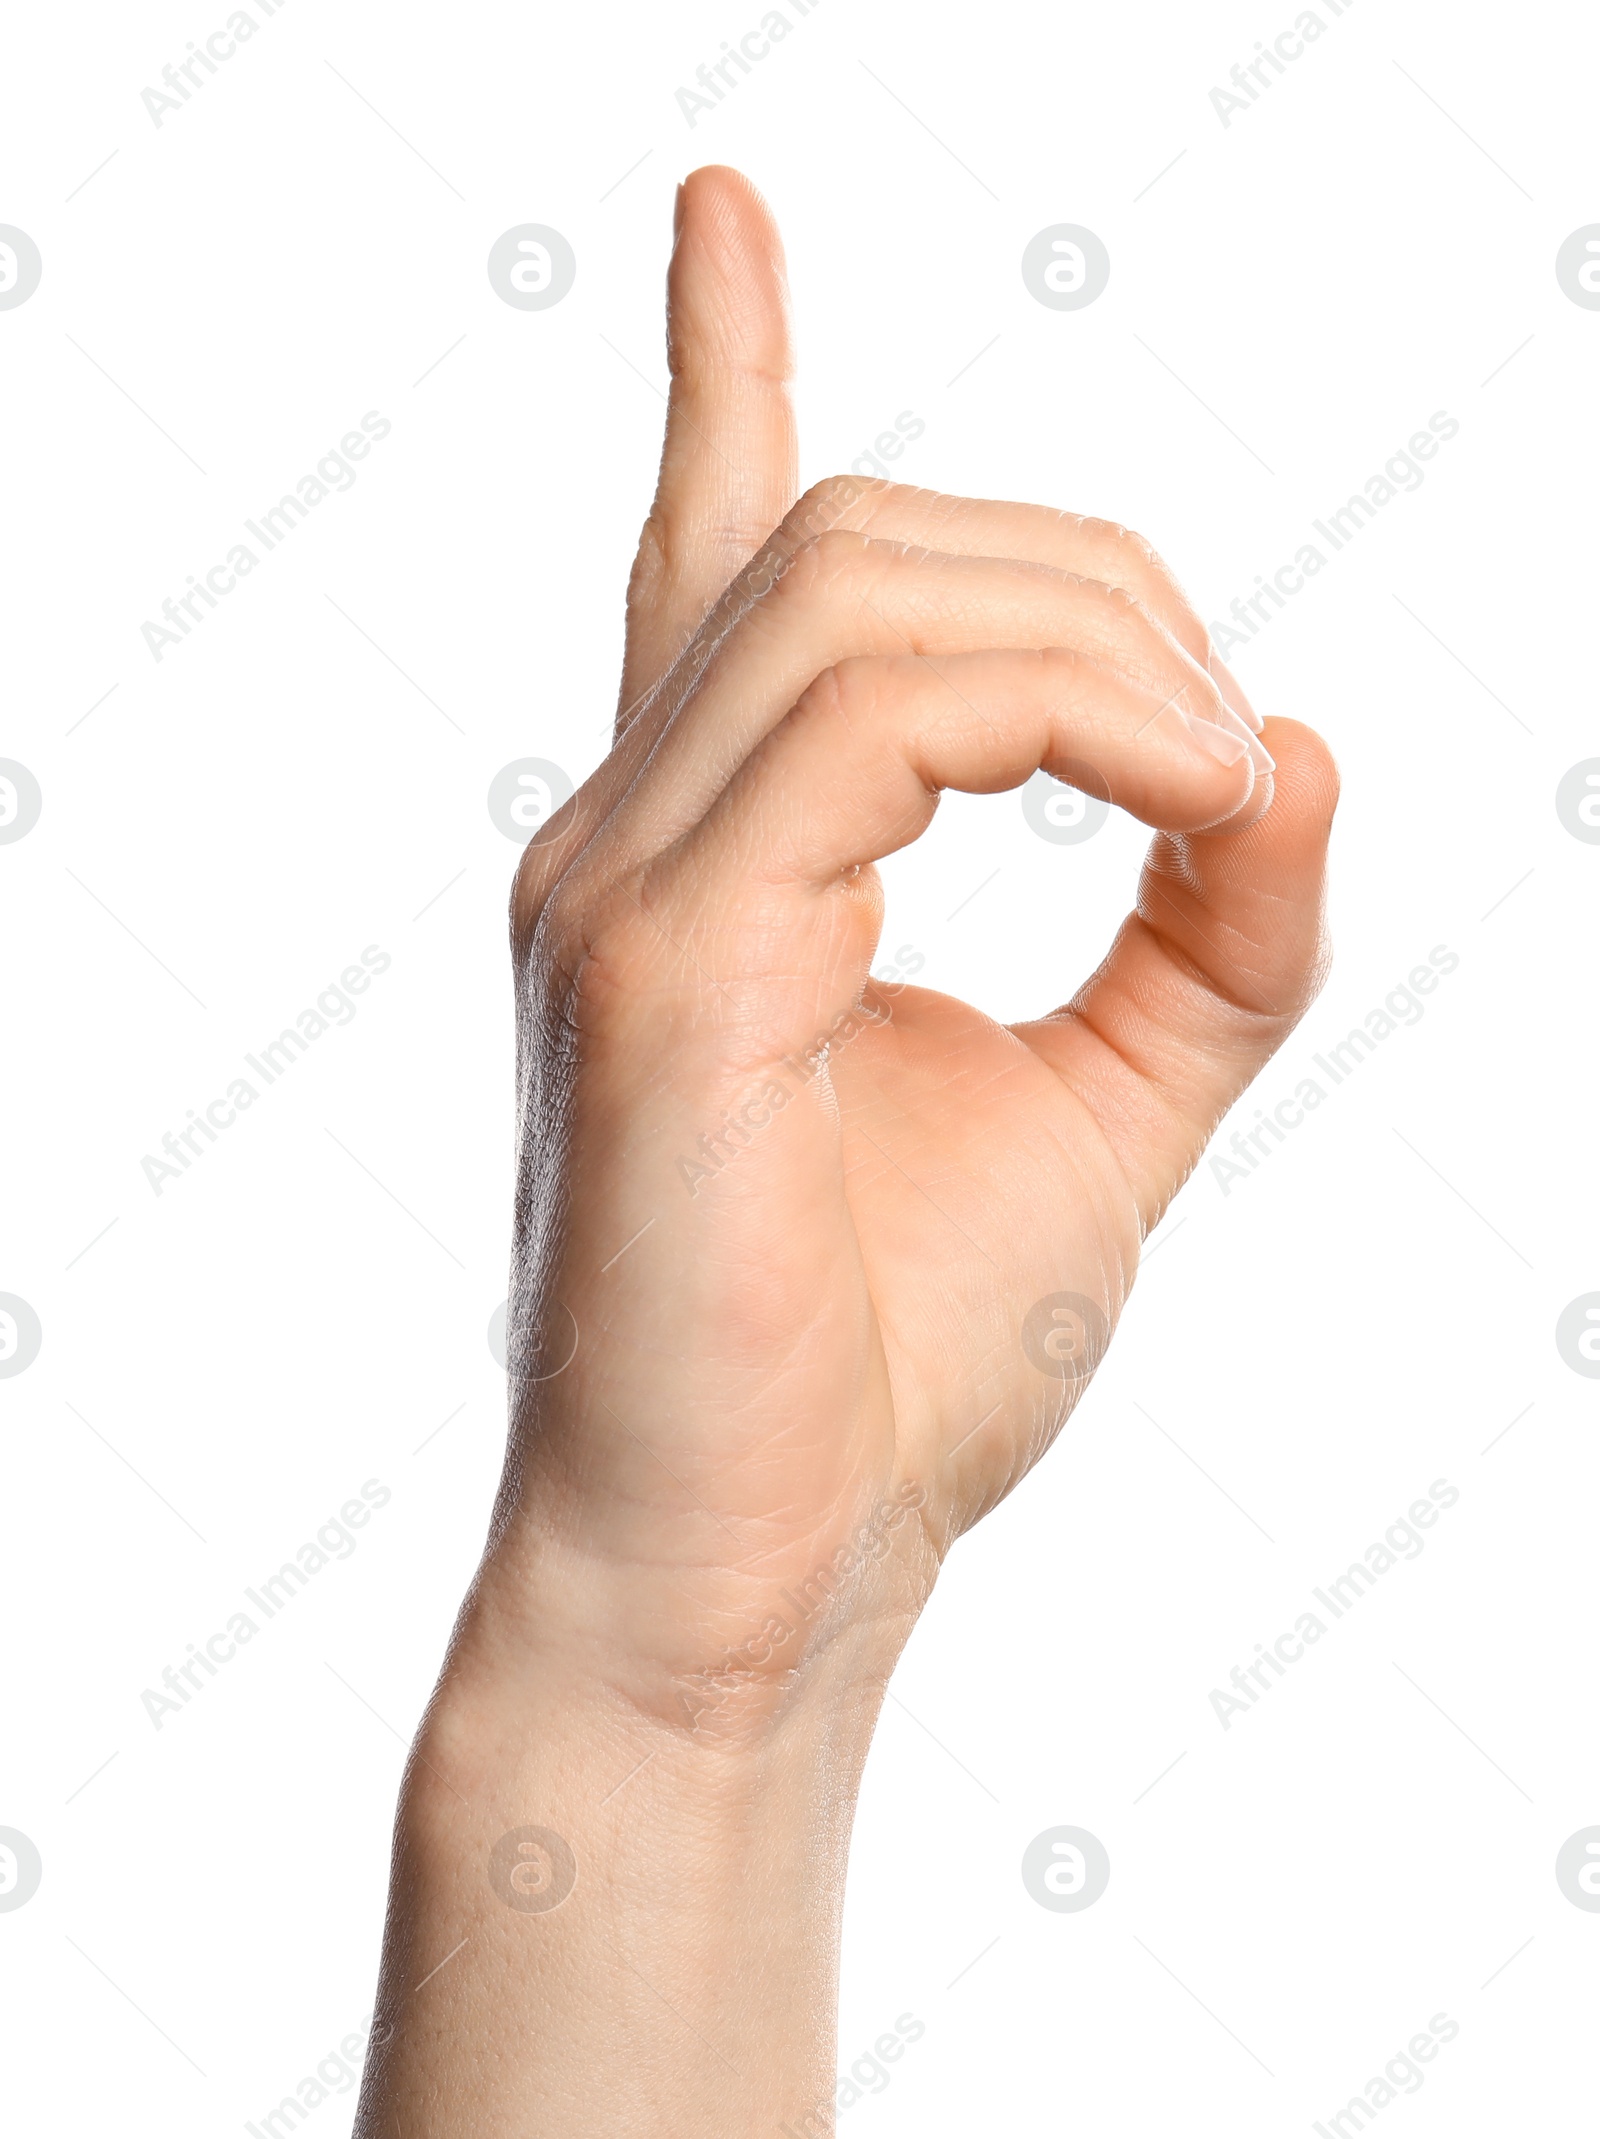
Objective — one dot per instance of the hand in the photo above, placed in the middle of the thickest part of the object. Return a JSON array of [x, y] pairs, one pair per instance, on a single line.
[[843, 1201], [784, 1318]]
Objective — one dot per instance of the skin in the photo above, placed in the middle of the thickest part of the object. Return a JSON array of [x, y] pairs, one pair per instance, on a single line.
[[762, 1382]]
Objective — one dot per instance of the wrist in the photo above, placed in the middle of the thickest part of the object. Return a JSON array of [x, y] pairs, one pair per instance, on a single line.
[[573, 1851], [713, 1652]]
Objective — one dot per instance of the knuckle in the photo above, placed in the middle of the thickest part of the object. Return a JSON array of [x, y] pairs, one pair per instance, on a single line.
[[793, 565], [1110, 594], [849, 691], [1152, 578], [531, 888], [822, 563], [828, 502], [552, 927], [1066, 662], [1131, 549], [1128, 554], [1128, 622], [542, 867], [837, 548], [588, 958]]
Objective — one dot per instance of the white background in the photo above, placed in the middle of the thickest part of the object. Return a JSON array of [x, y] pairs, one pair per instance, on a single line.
[[305, 775]]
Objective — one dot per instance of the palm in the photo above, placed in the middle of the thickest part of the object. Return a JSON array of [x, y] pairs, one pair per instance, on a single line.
[[979, 1184]]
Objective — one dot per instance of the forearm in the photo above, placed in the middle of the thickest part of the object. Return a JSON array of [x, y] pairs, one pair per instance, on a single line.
[[688, 1981]]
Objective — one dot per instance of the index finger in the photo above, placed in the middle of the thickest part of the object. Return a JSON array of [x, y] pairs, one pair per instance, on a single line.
[[728, 461]]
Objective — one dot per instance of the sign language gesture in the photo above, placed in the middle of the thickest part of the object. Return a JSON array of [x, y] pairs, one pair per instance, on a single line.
[[808, 1270], [877, 1238]]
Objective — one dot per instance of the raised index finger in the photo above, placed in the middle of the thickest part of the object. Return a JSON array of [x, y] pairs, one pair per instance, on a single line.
[[729, 458]]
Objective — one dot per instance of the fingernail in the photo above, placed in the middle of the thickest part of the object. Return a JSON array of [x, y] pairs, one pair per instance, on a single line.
[[677, 211], [1220, 743], [1228, 684], [1260, 757]]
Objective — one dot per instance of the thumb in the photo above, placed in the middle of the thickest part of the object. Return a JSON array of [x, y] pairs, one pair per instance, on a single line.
[[728, 464]]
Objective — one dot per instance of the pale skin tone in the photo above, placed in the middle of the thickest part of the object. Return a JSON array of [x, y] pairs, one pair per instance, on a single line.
[[748, 1357]]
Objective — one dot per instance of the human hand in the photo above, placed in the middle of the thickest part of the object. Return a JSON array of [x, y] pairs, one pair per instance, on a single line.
[[791, 1245], [790, 1225]]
